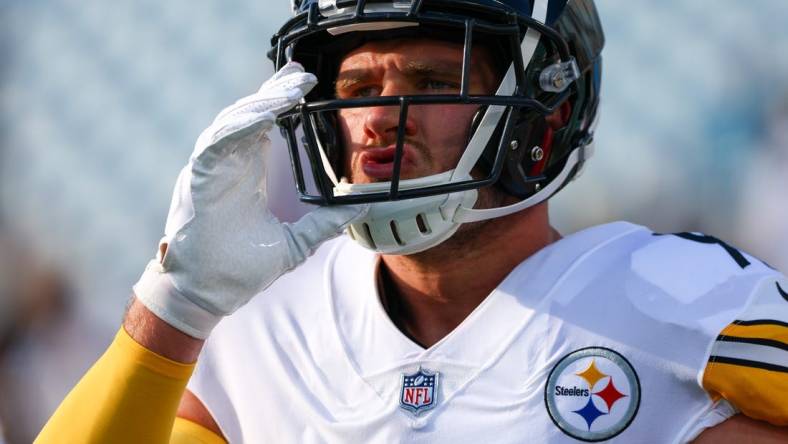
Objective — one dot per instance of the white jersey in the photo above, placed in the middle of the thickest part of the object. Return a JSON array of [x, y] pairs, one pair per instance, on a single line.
[[604, 335]]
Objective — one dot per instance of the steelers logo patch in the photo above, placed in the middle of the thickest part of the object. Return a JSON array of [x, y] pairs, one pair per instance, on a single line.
[[592, 394]]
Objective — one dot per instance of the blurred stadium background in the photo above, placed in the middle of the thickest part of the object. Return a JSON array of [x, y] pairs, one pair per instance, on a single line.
[[100, 103]]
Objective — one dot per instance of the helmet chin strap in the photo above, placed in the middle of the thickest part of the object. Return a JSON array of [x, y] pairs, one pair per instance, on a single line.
[[579, 154]]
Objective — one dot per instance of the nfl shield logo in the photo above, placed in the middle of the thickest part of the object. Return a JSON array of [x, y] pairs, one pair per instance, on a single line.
[[419, 391]]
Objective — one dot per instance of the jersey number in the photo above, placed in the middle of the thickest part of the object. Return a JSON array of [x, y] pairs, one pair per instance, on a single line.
[[706, 239]]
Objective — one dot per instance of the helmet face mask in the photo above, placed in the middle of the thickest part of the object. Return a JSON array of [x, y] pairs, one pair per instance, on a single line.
[[543, 68]]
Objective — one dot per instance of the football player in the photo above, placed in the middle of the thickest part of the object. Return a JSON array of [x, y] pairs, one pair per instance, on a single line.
[[433, 131]]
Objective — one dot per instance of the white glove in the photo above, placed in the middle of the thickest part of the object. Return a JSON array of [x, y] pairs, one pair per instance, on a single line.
[[222, 244]]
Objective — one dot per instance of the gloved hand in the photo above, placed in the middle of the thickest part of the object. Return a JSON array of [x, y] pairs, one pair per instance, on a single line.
[[222, 245]]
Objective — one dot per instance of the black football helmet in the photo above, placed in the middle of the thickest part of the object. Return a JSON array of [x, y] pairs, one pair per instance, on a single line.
[[548, 54]]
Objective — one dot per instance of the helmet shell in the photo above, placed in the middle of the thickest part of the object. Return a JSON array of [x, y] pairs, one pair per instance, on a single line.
[[528, 37]]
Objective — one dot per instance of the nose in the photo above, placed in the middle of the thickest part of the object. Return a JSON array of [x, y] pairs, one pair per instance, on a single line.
[[381, 123]]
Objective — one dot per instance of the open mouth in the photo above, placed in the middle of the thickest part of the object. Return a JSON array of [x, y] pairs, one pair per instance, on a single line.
[[378, 163]]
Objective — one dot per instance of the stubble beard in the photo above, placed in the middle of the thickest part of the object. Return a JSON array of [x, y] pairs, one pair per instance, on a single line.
[[469, 236]]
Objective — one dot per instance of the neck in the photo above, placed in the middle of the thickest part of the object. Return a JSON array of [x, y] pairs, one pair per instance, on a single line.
[[429, 294]]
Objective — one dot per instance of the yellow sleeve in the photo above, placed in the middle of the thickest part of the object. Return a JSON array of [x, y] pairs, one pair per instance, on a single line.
[[130, 395], [187, 432], [748, 368]]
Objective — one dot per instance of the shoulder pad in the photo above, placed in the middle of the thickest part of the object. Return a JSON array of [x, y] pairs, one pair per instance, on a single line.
[[689, 265]]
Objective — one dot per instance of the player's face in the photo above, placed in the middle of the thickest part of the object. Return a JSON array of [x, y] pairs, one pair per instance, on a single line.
[[435, 135]]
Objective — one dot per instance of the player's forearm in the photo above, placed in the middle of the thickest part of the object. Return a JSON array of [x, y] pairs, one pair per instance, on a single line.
[[131, 394], [160, 337]]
